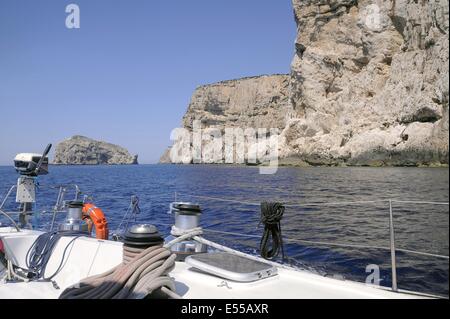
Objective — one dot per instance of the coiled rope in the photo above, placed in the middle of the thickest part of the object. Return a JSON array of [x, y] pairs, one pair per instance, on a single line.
[[129, 253], [272, 240], [135, 278], [40, 252]]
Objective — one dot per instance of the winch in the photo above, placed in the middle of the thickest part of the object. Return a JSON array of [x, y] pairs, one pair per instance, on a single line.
[[74, 221], [187, 217], [139, 237], [142, 236]]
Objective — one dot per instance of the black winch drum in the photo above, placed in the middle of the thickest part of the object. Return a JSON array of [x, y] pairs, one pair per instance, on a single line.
[[142, 236]]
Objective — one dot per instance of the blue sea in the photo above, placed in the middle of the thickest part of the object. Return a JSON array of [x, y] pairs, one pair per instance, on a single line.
[[421, 227]]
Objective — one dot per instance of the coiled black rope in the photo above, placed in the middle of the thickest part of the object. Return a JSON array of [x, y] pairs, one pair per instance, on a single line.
[[38, 255], [271, 215]]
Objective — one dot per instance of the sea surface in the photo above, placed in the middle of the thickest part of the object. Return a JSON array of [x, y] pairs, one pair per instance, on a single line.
[[421, 227]]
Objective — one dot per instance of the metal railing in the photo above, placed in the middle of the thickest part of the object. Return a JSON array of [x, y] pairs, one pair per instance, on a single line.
[[393, 249], [4, 213], [392, 241], [57, 208]]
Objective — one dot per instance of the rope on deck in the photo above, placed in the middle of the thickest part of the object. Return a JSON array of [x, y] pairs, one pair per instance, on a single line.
[[135, 278]]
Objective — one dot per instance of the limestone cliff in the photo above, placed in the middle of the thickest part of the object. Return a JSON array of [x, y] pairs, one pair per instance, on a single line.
[[369, 83], [253, 102], [368, 86], [261, 101], [80, 150]]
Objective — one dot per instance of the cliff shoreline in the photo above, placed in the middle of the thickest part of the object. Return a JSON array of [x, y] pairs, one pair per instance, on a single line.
[[368, 87]]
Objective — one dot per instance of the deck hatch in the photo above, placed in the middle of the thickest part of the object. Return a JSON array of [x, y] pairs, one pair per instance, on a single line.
[[232, 267]]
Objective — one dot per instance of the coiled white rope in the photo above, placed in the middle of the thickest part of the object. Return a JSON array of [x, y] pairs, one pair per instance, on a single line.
[[175, 231], [181, 235]]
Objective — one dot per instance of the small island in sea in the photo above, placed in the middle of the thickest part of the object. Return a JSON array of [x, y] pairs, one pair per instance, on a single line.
[[81, 150]]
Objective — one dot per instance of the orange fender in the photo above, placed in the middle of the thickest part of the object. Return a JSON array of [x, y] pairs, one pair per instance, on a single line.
[[94, 216]]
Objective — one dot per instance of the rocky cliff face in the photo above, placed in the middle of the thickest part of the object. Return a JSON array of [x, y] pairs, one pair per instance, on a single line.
[[261, 101], [369, 83], [254, 102], [368, 86], [80, 150]]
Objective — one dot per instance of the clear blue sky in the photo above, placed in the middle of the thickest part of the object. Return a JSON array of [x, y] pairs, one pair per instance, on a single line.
[[127, 75]]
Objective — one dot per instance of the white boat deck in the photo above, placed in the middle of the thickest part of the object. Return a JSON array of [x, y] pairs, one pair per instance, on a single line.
[[30, 290], [288, 284], [89, 256]]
